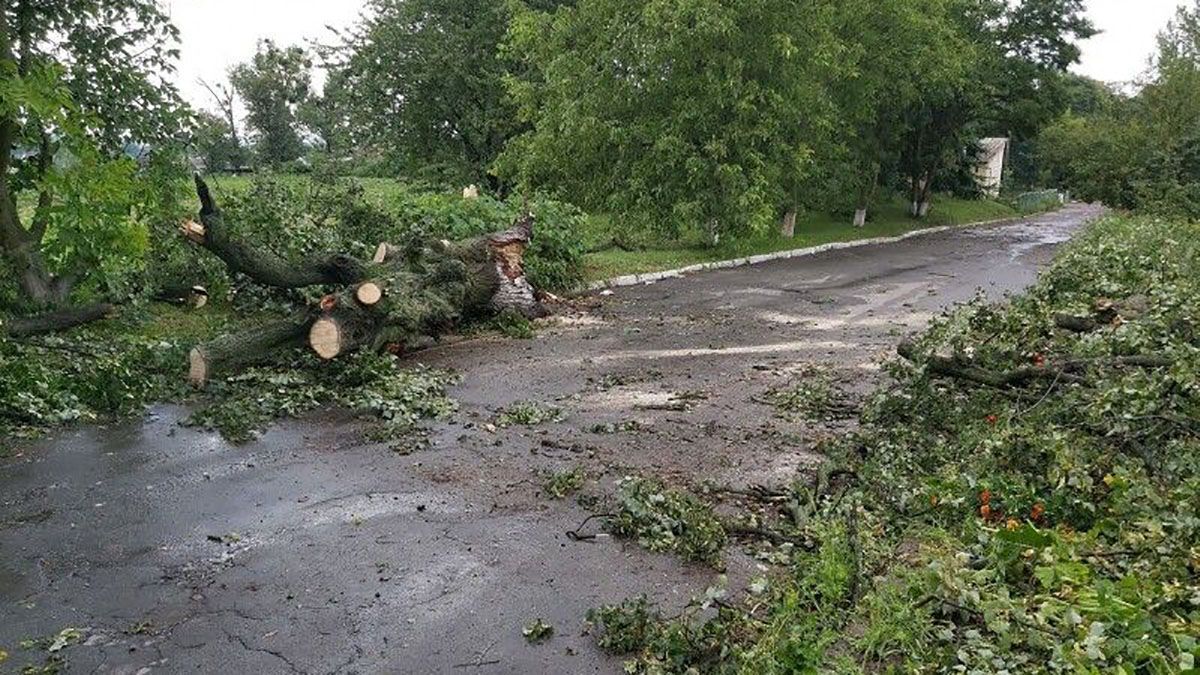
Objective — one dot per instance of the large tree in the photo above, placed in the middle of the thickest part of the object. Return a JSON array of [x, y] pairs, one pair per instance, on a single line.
[[81, 82], [674, 112], [901, 51], [422, 81], [275, 83]]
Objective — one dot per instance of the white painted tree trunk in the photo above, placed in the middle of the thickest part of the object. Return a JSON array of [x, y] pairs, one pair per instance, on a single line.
[[923, 210], [860, 217], [788, 227], [714, 232]]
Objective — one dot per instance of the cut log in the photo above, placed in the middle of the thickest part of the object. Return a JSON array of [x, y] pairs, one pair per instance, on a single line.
[[55, 321], [368, 294], [228, 354], [1076, 324], [261, 265], [325, 338]]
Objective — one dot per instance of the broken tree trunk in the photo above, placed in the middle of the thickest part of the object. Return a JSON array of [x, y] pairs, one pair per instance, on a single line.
[[407, 294]]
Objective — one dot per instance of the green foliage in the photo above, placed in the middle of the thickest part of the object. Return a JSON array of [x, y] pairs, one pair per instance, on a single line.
[[529, 414], [813, 396], [1142, 152], [1049, 527], [370, 384], [537, 631], [96, 373], [422, 83], [298, 216], [667, 520], [514, 325], [559, 485], [115, 369], [671, 113]]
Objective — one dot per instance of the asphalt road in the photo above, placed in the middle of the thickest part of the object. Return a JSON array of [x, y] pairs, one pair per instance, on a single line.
[[311, 551]]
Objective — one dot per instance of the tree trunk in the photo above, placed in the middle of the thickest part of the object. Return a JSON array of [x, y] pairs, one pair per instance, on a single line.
[[866, 195], [52, 322], [788, 227], [237, 350], [406, 295], [922, 187]]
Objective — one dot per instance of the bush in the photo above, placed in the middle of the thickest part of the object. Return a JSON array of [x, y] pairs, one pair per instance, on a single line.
[[300, 216]]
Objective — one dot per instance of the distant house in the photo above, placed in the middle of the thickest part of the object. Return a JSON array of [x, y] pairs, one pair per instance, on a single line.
[[989, 173]]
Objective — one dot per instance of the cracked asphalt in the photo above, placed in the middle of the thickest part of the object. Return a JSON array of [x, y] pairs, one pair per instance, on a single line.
[[313, 551]]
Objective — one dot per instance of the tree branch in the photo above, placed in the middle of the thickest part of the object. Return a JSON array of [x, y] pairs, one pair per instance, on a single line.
[[264, 266]]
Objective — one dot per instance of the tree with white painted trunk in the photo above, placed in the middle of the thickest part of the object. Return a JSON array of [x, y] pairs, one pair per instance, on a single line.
[[901, 49]]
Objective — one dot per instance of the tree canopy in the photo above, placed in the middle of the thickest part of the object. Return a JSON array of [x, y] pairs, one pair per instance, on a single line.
[[82, 83]]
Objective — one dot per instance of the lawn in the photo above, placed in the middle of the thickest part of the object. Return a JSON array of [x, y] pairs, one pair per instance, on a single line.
[[889, 220]]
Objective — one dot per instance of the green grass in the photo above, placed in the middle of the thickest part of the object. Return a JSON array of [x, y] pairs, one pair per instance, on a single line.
[[890, 219]]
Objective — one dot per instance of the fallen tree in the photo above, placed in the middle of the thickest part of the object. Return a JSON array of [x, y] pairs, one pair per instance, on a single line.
[[411, 291]]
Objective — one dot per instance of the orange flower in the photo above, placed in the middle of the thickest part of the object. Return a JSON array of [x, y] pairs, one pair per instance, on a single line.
[[992, 419], [1039, 360], [985, 512]]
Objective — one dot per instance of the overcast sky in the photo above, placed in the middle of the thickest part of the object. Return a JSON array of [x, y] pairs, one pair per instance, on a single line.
[[219, 33]]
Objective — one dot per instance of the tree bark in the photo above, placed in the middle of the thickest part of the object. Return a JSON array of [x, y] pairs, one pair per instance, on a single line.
[[237, 350], [53, 322], [787, 228]]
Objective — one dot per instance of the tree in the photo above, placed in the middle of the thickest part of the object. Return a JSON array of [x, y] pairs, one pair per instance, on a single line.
[[213, 142], [1141, 152], [213, 139], [274, 84], [80, 81], [903, 50], [673, 113], [1022, 52], [424, 81]]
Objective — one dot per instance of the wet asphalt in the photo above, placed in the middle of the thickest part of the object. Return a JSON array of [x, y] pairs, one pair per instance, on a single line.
[[313, 551]]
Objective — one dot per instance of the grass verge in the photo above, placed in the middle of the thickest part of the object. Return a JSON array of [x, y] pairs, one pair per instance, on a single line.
[[889, 220]]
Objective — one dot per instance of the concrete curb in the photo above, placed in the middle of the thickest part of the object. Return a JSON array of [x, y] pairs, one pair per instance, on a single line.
[[652, 277]]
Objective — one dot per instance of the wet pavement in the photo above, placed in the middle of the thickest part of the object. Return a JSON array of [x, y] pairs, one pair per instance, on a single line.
[[312, 551]]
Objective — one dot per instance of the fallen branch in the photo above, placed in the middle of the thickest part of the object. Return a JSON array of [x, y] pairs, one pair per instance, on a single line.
[[261, 265], [1076, 324], [55, 321], [1008, 379]]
